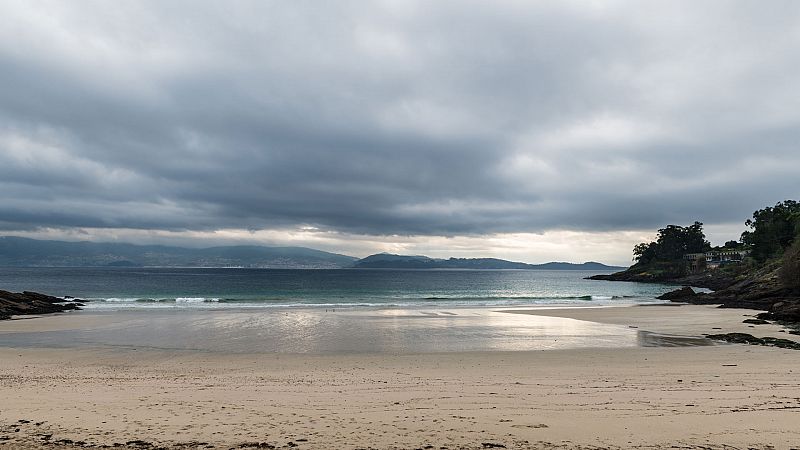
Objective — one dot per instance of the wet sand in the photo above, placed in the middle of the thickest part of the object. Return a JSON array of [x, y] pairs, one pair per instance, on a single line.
[[315, 331], [671, 319], [719, 396]]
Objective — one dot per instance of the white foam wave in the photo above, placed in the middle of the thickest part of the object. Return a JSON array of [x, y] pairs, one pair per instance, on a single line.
[[195, 300], [217, 303]]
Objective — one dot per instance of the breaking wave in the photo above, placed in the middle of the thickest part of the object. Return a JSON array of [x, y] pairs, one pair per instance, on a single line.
[[356, 302]]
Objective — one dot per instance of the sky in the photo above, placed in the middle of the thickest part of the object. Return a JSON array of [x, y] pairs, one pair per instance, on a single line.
[[524, 130]]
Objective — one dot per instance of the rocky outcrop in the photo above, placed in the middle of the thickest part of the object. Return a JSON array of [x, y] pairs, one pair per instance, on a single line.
[[678, 294], [710, 280], [670, 275], [744, 338], [758, 288], [635, 274], [26, 303], [783, 311]]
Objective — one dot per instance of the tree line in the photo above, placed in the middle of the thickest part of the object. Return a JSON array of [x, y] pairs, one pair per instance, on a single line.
[[772, 233]]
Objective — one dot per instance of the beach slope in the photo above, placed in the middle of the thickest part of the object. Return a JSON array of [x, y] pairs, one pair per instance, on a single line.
[[720, 396]]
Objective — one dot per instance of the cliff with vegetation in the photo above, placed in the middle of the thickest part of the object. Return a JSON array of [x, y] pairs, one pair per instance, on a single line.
[[662, 261], [767, 279]]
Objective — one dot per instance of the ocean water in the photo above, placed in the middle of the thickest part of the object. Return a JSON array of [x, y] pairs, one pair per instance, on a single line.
[[150, 288], [325, 311]]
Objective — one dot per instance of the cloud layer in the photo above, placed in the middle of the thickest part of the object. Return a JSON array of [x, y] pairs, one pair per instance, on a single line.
[[397, 117]]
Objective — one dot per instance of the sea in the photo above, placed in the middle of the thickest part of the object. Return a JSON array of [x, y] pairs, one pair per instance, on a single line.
[[238, 310], [206, 288]]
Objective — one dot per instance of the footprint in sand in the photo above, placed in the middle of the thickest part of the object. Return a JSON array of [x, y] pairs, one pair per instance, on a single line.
[[538, 425]]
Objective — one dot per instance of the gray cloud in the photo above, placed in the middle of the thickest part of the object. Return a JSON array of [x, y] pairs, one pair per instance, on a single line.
[[445, 118]]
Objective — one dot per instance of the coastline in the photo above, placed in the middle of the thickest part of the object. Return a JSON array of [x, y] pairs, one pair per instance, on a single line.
[[760, 288], [678, 319], [655, 397]]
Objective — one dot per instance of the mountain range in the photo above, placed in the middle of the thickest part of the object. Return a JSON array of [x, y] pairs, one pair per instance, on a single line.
[[25, 252], [389, 261]]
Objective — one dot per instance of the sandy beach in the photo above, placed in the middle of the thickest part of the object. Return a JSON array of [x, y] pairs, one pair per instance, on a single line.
[[399, 225], [720, 396]]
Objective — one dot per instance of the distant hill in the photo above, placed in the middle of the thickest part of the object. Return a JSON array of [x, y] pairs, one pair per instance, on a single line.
[[389, 261], [24, 252]]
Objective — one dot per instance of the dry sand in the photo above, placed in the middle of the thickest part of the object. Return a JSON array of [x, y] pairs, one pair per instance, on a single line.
[[724, 396]]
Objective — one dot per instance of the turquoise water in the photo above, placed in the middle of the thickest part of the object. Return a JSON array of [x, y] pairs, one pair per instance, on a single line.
[[325, 311], [141, 288]]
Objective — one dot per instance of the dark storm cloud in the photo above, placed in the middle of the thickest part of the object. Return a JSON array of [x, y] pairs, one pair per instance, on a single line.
[[440, 118]]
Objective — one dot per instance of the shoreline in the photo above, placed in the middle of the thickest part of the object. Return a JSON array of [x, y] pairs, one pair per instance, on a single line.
[[613, 326], [758, 288], [730, 395], [680, 319]]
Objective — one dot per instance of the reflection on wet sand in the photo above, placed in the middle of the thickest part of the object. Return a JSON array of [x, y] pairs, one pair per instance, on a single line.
[[647, 339], [319, 331]]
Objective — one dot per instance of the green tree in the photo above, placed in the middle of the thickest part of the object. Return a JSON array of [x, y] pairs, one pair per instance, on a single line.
[[644, 252], [772, 229], [731, 244], [672, 243]]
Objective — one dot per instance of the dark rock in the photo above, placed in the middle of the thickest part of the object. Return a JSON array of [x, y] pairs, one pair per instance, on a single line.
[[678, 294], [755, 321], [710, 280], [644, 274], [782, 304], [12, 304], [256, 445], [786, 310], [744, 338]]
